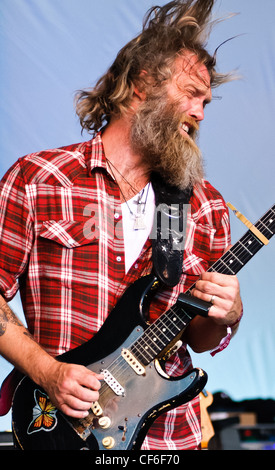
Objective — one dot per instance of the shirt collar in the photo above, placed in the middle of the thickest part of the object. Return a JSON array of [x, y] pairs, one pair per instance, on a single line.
[[95, 155]]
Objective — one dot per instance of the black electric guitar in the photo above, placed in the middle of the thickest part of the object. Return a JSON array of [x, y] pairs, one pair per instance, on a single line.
[[131, 354]]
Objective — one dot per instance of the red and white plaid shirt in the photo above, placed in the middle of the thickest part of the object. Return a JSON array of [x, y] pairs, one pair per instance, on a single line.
[[62, 243]]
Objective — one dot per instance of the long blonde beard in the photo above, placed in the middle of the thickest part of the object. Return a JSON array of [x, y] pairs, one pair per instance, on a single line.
[[155, 135]]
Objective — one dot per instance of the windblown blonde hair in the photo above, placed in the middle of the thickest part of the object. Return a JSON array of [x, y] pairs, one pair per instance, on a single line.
[[180, 25]]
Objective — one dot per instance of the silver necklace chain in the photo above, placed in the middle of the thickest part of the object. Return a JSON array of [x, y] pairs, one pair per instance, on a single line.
[[139, 222]]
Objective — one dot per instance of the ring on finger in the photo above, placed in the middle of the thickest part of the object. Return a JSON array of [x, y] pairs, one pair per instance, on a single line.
[[212, 299]]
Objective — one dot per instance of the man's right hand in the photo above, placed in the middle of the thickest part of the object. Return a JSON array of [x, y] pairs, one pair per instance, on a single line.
[[72, 388]]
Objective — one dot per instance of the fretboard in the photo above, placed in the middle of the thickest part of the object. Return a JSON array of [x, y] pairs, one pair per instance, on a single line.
[[172, 323], [160, 334], [240, 253]]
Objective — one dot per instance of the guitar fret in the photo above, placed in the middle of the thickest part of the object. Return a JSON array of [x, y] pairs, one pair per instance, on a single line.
[[267, 218], [145, 357], [221, 267], [224, 264], [245, 247], [152, 347], [146, 351], [172, 324], [158, 335], [236, 258], [152, 342], [271, 221], [177, 322], [242, 256], [165, 329], [255, 244], [243, 250], [267, 231], [267, 228], [157, 338]]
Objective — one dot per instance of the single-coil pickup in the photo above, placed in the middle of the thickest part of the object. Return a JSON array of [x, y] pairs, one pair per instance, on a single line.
[[133, 362], [113, 383]]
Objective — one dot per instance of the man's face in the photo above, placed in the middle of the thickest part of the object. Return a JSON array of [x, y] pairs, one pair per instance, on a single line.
[[166, 123], [189, 91]]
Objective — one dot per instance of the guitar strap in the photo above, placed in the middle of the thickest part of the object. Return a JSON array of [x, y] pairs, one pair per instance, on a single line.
[[169, 230]]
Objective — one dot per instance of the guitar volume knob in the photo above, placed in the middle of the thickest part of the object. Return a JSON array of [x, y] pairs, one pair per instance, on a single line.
[[104, 422], [108, 442]]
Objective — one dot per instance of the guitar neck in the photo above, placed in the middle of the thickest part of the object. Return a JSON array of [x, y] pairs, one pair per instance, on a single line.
[[239, 254], [171, 324]]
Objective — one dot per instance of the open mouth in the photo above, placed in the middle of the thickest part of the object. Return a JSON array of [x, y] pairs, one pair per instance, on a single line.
[[189, 128], [185, 127]]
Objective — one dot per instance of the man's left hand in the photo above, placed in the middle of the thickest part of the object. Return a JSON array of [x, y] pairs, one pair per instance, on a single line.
[[223, 291]]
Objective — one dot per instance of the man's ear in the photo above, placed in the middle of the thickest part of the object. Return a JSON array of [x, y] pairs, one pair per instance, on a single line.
[[139, 89], [140, 94]]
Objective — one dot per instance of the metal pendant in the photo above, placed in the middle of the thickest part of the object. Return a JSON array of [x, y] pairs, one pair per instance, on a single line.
[[139, 222]]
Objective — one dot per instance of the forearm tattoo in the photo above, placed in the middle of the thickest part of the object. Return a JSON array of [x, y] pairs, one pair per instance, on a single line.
[[7, 316]]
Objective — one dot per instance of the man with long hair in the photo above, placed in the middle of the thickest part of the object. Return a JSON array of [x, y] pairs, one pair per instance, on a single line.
[[145, 114]]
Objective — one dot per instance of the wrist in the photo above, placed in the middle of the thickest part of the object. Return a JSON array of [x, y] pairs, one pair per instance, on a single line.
[[44, 367], [226, 340]]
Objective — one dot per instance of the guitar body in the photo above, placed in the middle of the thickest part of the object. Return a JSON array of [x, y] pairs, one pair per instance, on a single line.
[[130, 400]]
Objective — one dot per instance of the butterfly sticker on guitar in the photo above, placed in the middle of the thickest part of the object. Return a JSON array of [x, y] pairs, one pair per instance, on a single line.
[[44, 414]]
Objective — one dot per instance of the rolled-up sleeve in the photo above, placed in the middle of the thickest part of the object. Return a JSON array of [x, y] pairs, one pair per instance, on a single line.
[[16, 234]]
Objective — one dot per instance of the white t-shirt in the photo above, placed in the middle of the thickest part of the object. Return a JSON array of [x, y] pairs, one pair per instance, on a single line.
[[134, 240]]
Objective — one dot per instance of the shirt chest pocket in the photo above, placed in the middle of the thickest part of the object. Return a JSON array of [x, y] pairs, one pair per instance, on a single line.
[[68, 252]]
